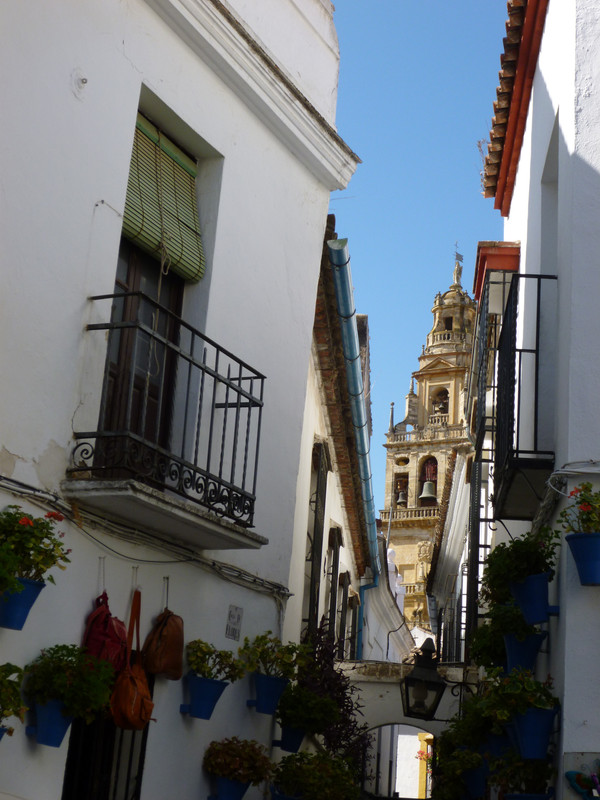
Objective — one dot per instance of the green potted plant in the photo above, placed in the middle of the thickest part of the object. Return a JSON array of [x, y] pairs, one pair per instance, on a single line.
[[65, 682], [311, 775], [520, 570], [505, 639], [11, 704], [211, 670], [29, 547], [517, 698], [273, 664], [516, 776], [302, 712], [581, 521], [235, 764]]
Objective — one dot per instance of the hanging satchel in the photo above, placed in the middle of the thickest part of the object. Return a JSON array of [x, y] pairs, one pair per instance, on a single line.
[[162, 653], [106, 636], [131, 702]]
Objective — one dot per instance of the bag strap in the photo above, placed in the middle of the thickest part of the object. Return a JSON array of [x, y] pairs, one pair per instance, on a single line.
[[134, 623]]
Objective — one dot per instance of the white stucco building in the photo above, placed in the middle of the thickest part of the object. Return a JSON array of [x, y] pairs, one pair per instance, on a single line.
[[168, 426], [536, 372]]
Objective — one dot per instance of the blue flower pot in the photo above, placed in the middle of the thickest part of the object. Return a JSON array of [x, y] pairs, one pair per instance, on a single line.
[[585, 549], [15, 606], [204, 695], [277, 795], [527, 796], [531, 595], [51, 724], [495, 746], [291, 739], [228, 789], [522, 654], [475, 781], [269, 689], [533, 730]]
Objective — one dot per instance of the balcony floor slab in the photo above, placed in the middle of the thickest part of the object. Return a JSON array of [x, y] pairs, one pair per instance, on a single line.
[[158, 512]]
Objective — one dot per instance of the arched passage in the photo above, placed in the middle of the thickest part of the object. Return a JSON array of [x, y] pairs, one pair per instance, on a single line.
[[378, 684]]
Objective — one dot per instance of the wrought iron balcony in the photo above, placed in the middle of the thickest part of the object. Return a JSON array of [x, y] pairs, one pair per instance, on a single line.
[[178, 413], [524, 456]]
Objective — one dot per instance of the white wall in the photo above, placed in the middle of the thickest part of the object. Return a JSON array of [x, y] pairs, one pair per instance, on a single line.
[[78, 73], [554, 214]]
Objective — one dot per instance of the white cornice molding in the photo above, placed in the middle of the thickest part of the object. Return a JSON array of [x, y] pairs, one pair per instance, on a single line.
[[218, 38]]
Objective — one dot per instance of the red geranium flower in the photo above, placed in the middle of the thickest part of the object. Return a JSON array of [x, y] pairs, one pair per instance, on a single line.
[[55, 515], [25, 521], [575, 491], [585, 507]]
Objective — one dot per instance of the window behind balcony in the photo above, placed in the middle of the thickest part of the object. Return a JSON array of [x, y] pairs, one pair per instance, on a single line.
[[141, 368]]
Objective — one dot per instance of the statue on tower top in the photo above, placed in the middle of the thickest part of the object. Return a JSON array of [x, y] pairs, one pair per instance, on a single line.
[[457, 268]]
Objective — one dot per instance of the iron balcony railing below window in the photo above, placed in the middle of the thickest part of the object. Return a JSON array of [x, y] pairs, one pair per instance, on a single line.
[[178, 412]]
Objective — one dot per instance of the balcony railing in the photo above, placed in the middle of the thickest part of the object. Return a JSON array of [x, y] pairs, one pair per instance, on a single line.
[[447, 337], [408, 514], [431, 432], [178, 413], [524, 454]]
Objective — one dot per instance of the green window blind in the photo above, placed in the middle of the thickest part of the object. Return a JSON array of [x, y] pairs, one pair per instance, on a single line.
[[161, 214]]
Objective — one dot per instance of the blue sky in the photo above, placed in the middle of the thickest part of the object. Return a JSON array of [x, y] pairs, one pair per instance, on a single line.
[[417, 84]]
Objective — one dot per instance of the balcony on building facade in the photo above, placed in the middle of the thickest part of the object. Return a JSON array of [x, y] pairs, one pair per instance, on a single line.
[[460, 339], [428, 513], [177, 441], [524, 452], [511, 390], [435, 430]]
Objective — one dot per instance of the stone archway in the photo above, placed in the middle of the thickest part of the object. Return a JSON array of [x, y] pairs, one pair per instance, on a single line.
[[378, 684]]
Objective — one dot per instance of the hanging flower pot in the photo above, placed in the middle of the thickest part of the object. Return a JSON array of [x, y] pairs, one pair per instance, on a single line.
[[291, 739], [204, 695], [531, 595], [585, 548], [15, 606], [527, 796], [228, 789], [234, 764], [51, 724], [475, 781], [521, 654], [269, 689], [533, 730]]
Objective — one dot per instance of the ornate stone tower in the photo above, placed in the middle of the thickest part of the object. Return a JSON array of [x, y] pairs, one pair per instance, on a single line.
[[421, 449]]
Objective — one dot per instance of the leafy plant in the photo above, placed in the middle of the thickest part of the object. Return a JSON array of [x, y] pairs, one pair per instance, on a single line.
[[302, 708], [507, 695], [486, 647], [512, 562], [29, 547], [68, 673], [583, 515], [267, 654], [243, 760], [207, 662], [511, 773], [11, 704], [452, 759], [345, 736], [311, 775]]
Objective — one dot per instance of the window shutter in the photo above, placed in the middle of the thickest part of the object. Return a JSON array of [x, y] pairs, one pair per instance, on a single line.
[[161, 214]]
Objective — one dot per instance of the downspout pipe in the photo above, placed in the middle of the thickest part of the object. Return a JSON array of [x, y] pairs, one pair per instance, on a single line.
[[340, 263]]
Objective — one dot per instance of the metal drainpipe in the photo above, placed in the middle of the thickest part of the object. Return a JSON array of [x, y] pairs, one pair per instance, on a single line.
[[342, 278]]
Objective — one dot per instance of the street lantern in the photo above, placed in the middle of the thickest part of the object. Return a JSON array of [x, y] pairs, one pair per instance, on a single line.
[[423, 687]]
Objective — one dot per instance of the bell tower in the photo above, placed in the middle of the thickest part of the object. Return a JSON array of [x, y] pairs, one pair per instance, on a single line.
[[422, 448]]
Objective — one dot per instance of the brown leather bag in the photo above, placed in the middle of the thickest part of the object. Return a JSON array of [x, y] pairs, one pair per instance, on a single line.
[[131, 702], [163, 649]]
